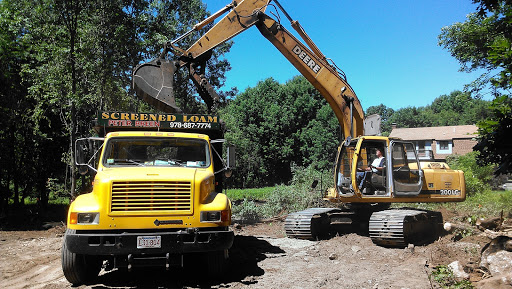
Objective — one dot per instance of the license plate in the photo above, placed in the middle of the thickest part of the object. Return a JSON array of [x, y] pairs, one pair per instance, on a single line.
[[149, 242]]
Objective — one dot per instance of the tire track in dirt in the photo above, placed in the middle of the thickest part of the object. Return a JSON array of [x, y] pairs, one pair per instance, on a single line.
[[39, 276], [261, 257], [29, 260]]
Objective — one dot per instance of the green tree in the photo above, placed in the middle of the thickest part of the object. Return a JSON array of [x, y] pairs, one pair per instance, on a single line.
[[456, 108], [61, 62], [411, 117], [494, 136], [276, 125], [484, 41], [478, 178], [27, 137]]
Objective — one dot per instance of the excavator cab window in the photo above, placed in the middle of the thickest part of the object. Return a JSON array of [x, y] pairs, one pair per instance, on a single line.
[[406, 175], [368, 178], [343, 169], [371, 168]]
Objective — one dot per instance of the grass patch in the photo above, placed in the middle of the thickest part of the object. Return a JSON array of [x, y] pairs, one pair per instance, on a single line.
[[259, 194], [484, 204], [487, 203]]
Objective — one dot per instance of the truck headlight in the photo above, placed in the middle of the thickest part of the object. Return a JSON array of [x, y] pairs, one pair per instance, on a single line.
[[215, 216], [84, 218]]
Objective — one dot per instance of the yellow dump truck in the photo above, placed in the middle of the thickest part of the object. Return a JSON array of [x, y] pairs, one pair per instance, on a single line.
[[156, 197]]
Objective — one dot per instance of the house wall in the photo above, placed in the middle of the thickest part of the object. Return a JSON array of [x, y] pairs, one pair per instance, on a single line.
[[441, 154], [456, 147], [460, 139], [463, 146]]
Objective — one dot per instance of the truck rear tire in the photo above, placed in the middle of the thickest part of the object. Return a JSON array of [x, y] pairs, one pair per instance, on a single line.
[[78, 269]]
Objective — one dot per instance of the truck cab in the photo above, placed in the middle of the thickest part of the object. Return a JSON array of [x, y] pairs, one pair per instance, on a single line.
[[156, 197]]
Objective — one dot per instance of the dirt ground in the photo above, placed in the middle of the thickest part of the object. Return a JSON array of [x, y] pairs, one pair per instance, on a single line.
[[261, 257]]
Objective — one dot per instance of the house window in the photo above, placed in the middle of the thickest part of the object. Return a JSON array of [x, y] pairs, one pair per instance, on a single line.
[[443, 145]]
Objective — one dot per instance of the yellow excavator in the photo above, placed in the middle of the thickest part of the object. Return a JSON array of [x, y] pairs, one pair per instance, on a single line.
[[368, 186]]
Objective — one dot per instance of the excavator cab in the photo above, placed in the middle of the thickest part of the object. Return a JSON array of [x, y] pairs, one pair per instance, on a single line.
[[370, 168]]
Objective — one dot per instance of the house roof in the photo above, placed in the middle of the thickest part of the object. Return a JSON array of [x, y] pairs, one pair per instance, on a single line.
[[437, 133]]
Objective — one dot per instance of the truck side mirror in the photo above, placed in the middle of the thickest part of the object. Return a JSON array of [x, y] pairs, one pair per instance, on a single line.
[[83, 170], [86, 153], [231, 155], [231, 161], [80, 148], [80, 161]]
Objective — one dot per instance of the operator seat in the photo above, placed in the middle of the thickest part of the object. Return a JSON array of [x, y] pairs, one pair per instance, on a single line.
[[378, 179]]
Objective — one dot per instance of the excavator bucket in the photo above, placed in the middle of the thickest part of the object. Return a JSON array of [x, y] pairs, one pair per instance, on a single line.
[[153, 81]]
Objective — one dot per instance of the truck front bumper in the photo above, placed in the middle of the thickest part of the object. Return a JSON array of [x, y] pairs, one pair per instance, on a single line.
[[125, 242]]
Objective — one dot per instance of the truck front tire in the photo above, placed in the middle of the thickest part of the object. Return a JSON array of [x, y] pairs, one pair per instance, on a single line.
[[78, 269], [217, 263]]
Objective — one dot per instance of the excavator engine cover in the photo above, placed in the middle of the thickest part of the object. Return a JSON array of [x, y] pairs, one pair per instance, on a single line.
[[153, 81]]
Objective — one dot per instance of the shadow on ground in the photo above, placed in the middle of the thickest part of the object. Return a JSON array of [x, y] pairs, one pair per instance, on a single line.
[[246, 253]]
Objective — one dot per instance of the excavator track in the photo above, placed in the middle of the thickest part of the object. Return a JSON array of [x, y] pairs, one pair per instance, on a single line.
[[308, 224], [400, 227], [317, 223]]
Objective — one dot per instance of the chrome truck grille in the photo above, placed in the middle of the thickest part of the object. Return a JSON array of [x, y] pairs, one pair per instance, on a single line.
[[154, 196]]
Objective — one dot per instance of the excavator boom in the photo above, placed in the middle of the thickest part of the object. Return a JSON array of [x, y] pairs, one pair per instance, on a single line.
[[151, 84], [324, 77]]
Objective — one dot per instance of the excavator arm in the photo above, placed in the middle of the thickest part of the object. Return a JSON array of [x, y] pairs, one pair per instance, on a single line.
[[307, 58]]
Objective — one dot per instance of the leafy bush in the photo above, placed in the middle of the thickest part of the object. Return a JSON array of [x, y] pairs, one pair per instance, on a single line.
[[303, 178], [478, 177], [247, 211], [287, 199], [283, 199], [443, 275]]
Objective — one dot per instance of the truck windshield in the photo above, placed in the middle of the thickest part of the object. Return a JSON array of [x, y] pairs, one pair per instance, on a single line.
[[156, 151]]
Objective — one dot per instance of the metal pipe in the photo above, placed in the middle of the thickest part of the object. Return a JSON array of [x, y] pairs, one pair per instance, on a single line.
[[284, 11], [205, 22], [297, 27]]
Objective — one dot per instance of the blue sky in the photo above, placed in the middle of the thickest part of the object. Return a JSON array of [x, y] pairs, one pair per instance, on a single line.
[[388, 49]]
